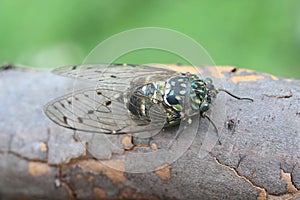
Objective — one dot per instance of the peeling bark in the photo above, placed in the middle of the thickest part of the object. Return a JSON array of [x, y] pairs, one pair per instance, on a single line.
[[258, 156]]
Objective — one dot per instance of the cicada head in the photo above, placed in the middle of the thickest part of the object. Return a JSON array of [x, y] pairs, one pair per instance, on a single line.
[[202, 95]]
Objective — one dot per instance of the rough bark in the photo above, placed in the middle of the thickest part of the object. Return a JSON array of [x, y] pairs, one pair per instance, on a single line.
[[258, 156]]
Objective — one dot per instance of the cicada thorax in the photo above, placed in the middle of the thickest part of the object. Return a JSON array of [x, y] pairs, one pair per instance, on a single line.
[[180, 95]]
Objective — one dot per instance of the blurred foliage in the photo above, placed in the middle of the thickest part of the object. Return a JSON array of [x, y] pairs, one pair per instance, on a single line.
[[261, 35]]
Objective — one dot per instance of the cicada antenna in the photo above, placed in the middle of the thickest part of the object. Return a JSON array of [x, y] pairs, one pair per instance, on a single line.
[[234, 96]]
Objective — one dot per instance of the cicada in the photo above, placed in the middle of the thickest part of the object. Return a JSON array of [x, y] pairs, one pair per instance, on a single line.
[[128, 98]]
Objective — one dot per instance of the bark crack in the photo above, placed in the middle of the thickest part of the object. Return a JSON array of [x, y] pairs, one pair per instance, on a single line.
[[262, 192], [285, 96], [292, 191], [26, 158], [60, 182], [287, 177]]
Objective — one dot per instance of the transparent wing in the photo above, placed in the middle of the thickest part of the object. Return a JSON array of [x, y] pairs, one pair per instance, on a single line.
[[103, 110], [116, 74]]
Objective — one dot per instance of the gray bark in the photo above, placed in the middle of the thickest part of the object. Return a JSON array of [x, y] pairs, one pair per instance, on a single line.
[[258, 156]]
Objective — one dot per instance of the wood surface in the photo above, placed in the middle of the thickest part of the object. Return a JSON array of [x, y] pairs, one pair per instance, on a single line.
[[258, 156]]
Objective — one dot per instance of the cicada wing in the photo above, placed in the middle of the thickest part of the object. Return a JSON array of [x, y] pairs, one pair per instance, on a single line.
[[115, 74], [101, 110], [80, 110]]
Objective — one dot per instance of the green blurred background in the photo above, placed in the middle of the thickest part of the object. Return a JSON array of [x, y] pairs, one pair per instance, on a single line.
[[260, 35]]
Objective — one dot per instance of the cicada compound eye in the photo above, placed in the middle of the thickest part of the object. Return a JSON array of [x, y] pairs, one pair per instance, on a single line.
[[204, 107]]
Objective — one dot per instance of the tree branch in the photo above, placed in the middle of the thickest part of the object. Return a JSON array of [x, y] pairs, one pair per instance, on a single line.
[[258, 155]]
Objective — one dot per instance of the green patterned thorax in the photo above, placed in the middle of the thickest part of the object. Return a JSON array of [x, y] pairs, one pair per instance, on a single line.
[[178, 94]]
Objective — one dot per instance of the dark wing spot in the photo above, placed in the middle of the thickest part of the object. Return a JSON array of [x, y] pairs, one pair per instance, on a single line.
[[113, 76], [69, 102], [76, 98], [55, 107], [108, 102], [99, 93], [86, 95], [62, 105], [80, 120], [65, 119], [90, 111]]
